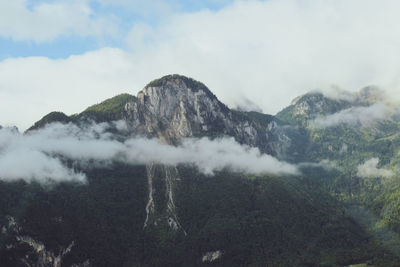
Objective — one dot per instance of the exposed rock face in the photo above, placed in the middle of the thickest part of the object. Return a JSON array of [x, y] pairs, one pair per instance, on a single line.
[[309, 105], [37, 253], [176, 107], [44, 257], [313, 104], [211, 256], [160, 209], [174, 110]]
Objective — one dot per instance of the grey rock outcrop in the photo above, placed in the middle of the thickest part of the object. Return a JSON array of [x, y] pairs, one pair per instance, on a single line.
[[175, 107]]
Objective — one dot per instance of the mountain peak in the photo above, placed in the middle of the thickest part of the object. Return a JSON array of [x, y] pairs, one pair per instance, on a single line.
[[175, 106], [311, 96], [370, 95], [109, 109], [179, 81], [309, 106], [55, 116]]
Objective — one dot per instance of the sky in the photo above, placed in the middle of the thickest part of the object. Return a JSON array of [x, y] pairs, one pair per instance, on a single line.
[[65, 55]]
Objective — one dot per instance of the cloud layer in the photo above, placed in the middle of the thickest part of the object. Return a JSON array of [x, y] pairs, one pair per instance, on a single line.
[[366, 116], [32, 87], [46, 21], [36, 156], [21, 159], [268, 51]]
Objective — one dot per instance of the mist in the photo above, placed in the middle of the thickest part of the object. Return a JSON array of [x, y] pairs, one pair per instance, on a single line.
[[366, 116], [369, 169], [37, 154]]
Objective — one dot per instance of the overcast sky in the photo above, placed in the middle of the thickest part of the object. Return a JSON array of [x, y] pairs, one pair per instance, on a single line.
[[68, 54]]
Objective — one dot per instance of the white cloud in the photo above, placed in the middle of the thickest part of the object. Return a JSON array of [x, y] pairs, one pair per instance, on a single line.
[[18, 161], [337, 93], [35, 156], [366, 116], [157, 8], [269, 51], [207, 155], [275, 50], [32, 87], [325, 164], [344, 148], [370, 169], [46, 21], [162, 7]]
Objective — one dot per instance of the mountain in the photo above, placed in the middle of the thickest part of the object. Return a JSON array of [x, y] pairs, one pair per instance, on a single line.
[[309, 106], [359, 138], [175, 215], [174, 107], [315, 104], [13, 129]]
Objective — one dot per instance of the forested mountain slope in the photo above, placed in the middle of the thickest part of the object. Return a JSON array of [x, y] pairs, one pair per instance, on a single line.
[[341, 207]]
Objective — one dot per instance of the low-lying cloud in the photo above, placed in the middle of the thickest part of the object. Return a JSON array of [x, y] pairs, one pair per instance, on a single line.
[[324, 164], [37, 154], [366, 116], [370, 169]]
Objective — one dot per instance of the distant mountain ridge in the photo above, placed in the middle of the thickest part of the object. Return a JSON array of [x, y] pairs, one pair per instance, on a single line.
[[315, 103]]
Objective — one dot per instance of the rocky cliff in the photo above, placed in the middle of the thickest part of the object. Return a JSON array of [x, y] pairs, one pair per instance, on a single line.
[[176, 107]]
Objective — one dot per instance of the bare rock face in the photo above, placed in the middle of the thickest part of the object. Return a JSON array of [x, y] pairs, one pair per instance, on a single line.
[[212, 256], [160, 208], [311, 105], [175, 107], [36, 252]]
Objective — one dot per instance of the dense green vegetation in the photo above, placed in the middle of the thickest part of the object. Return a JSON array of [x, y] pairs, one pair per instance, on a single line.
[[273, 221], [254, 221], [104, 217], [49, 118], [307, 106], [260, 119], [108, 110], [372, 201], [190, 83], [111, 109]]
